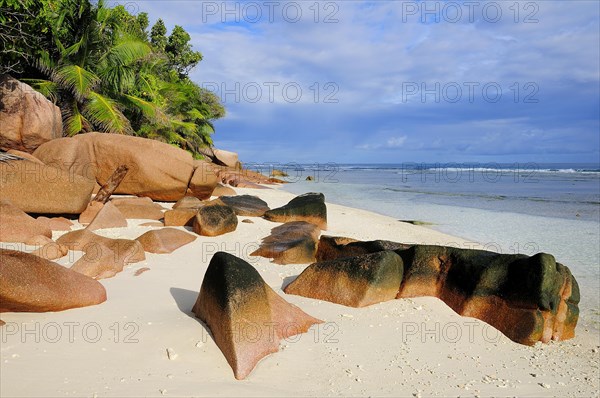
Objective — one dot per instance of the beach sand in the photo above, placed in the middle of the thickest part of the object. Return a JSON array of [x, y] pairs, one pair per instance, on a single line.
[[407, 347]]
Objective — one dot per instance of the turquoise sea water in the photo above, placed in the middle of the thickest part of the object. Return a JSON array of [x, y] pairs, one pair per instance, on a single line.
[[510, 208]]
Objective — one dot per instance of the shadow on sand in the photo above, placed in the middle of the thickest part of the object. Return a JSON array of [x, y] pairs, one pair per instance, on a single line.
[[185, 300]]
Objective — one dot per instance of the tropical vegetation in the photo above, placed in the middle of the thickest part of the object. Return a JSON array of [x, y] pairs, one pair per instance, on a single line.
[[107, 71]]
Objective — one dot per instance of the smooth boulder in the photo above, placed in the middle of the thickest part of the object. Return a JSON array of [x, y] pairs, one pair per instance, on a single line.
[[215, 218], [108, 217], [291, 243], [33, 284], [334, 247], [188, 202], [180, 217], [164, 240], [56, 223], [246, 205], [352, 281], [156, 170], [204, 180], [51, 251], [309, 207], [234, 300], [27, 118], [103, 257], [529, 299], [18, 226], [222, 190], [227, 158], [43, 189]]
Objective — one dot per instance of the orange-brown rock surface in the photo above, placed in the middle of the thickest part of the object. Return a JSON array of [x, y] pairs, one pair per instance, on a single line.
[[529, 299], [33, 284], [291, 243], [215, 218], [309, 207], [246, 317], [352, 281], [164, 240], [103, 257]]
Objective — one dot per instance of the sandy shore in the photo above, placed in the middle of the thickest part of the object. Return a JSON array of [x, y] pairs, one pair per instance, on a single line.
[[408, 347]]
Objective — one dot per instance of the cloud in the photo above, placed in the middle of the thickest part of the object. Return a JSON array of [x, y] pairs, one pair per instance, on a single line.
[[390, 143], [548, 52]]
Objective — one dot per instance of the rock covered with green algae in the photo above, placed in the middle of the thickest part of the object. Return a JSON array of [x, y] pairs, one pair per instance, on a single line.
[[309, 207], [529, 299], [245, 316], [294, 242], [353, 281]]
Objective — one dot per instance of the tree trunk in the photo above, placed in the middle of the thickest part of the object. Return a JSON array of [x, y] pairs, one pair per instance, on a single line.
[[113, 182]]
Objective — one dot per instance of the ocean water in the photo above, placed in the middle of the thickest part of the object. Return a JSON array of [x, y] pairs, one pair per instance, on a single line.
[[509, 208]]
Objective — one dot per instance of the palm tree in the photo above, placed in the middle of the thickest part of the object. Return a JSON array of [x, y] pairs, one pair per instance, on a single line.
[[98, 66], [91, 68]]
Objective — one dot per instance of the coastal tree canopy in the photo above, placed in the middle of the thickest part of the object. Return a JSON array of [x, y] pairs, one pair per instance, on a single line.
[[106, 72]]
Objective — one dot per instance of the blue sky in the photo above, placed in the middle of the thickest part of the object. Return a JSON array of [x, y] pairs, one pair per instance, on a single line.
[[396, 81]]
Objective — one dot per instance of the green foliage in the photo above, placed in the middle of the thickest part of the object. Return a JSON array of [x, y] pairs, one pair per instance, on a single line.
[[158, 35], [181, 56], [106, 73]]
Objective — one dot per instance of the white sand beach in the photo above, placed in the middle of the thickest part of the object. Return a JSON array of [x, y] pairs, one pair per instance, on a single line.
[[145, 341]]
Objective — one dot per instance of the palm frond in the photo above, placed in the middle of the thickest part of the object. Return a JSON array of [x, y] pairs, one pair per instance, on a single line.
[[151, 111], [126, 51], [45, 63], [186, 127], [76, 79], [74, 122], [195, 114], [74, 48], [47, 88], [104, 114], [118, 78]]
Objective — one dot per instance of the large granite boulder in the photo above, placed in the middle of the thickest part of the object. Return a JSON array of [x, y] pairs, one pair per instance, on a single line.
[[38, 188], [27, 118], [108, 217], [24, 155], [246, 317], [56, 223], [215, 218], [103, 257], [333, 247], [246, 205], [188, 202], [529, 299], [51, 251], [180, 217], [204, 180], [18, 226], [164, 240], [32, 284], [309, 207], [138, 208], [222, 190], [227, 158], [352, 281], [156, 170], [291, 243], [90, 212], [244, 177]]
